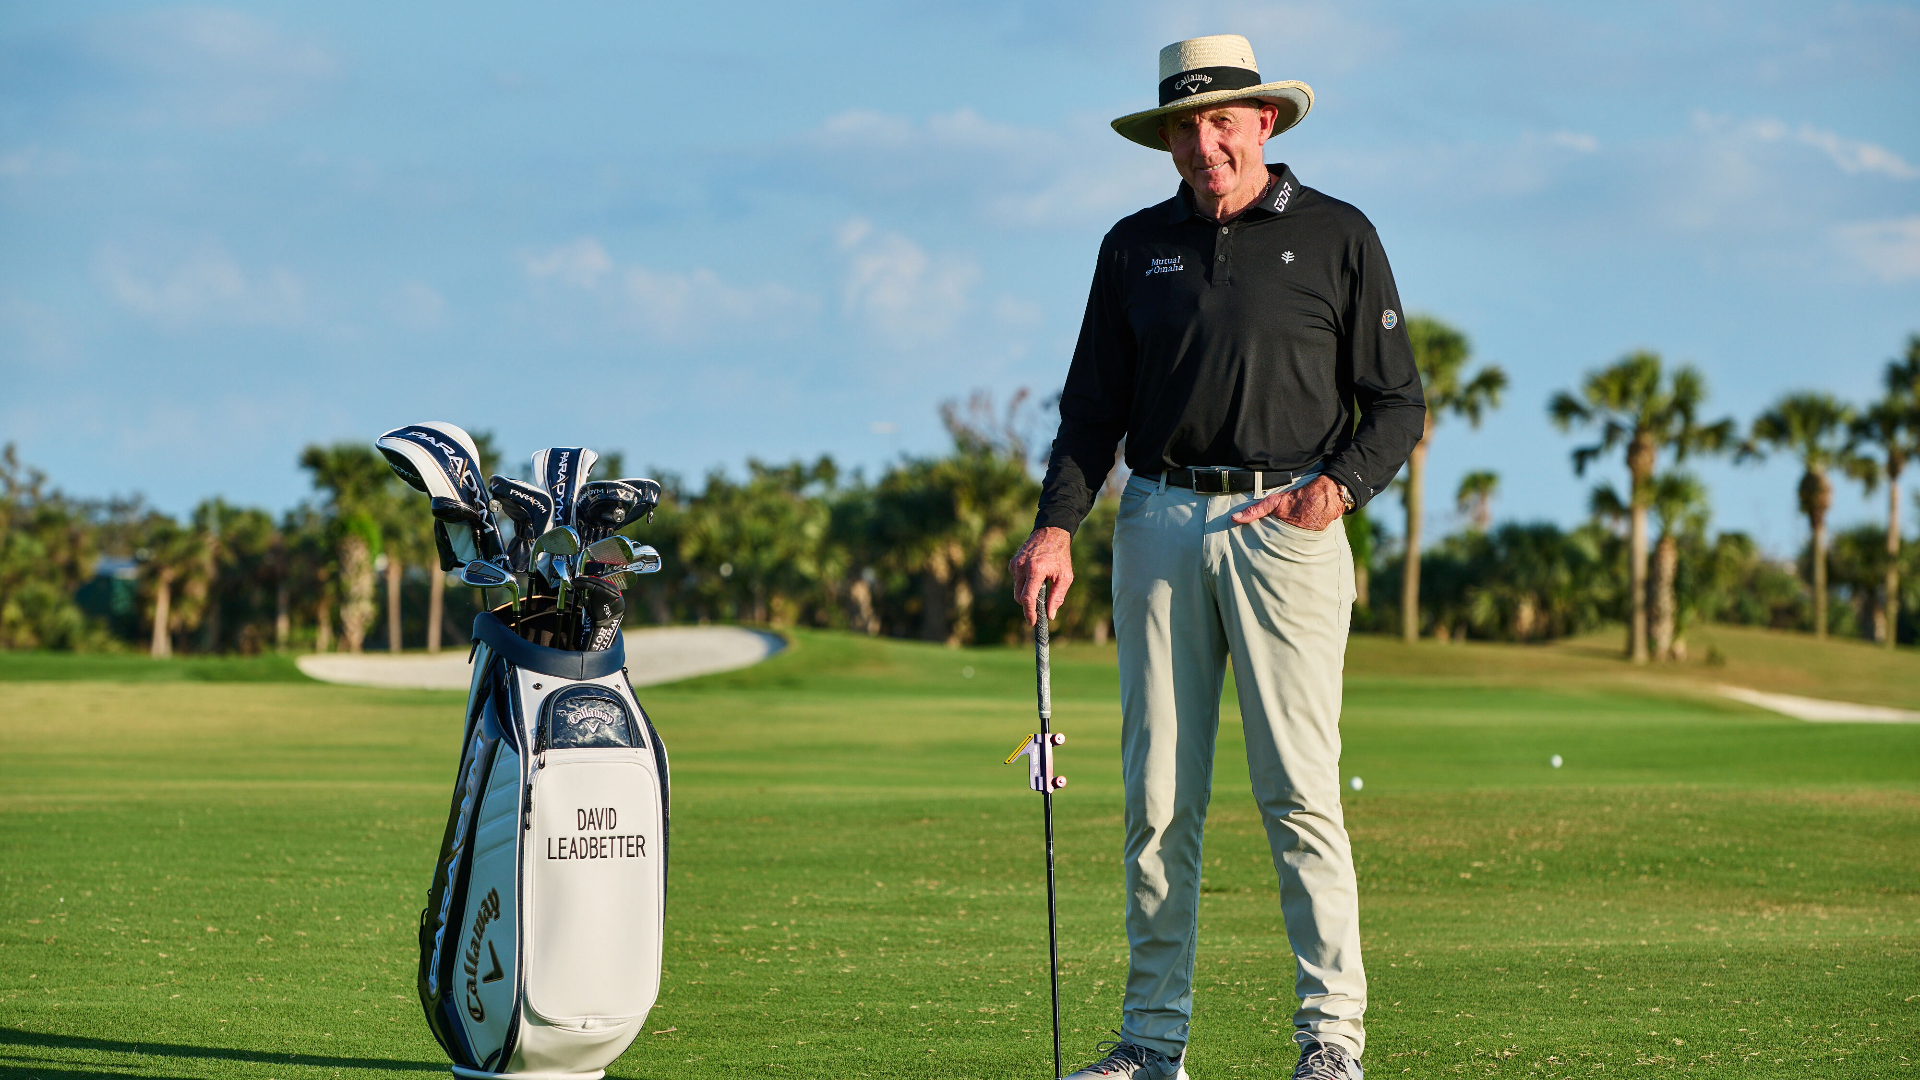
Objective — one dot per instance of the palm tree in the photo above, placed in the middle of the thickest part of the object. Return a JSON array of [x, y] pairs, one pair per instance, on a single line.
[[1892, 424], [171, 556], [1816, 428], [1679, 500], [1475, 497], [357, 481], [1636, 407], [1441, 353]]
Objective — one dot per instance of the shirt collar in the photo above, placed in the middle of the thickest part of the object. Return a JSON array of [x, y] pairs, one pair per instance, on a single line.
[[1279, 196]]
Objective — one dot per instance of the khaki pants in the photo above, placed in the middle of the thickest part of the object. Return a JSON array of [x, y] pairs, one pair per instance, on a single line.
[[1190, 590]]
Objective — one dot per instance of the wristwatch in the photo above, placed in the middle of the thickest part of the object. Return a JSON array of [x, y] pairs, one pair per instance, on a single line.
[[1345, 495]]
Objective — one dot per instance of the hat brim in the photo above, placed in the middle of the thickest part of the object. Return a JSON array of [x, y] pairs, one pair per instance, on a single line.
[[1293, 99]]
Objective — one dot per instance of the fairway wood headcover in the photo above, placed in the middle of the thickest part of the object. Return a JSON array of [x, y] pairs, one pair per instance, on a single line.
[[603, 606], [561, 470]]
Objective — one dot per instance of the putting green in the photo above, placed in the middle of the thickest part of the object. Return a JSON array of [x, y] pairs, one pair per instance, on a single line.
[[223, 878]]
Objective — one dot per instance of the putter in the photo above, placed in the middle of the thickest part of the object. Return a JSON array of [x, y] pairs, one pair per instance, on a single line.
[[1038, 749], [485, 575]]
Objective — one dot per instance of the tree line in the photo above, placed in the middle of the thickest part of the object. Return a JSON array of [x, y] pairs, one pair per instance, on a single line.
[[920, 551]]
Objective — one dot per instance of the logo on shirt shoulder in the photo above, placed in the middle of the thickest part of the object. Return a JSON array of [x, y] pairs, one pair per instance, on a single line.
[[1286, 256], [1388, 319], [1166, 266]]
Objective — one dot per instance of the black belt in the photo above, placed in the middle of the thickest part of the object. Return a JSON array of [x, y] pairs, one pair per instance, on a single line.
[[1223, 481]]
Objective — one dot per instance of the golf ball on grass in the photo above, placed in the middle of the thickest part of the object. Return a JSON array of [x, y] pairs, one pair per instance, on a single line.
[[1356, 783], [1554, 761]]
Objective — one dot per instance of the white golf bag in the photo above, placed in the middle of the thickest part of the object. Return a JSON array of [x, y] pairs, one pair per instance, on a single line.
[[540, 943]]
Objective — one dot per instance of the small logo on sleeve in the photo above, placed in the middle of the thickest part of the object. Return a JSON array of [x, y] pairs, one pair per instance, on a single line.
[[1388, 319], [1167, 266]]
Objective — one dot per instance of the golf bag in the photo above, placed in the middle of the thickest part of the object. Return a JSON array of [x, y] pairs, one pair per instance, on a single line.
[[540, 943]]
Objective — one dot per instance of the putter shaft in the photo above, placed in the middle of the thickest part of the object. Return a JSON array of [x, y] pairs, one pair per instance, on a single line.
[[1043, 677]]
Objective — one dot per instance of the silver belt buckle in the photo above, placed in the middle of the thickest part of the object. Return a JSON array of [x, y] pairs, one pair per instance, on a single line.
[[1226, 485]]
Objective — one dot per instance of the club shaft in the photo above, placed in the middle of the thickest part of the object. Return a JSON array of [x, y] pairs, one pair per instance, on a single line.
[[1043, 677]]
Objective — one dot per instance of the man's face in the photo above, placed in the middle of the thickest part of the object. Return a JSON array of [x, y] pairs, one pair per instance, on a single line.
[[1218, 148]]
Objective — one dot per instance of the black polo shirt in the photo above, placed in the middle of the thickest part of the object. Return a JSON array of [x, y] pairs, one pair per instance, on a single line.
[[1253, 345]]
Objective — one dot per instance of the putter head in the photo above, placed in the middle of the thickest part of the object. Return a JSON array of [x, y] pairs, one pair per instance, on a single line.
[[437, 458], [560, 470], [603, 606]]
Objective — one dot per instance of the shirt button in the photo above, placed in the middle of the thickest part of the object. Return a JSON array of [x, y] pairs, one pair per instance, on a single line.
[[1223, 230], [1223, 258]]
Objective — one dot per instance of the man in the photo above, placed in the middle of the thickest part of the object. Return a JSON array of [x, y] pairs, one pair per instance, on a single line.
[[1245, 339]]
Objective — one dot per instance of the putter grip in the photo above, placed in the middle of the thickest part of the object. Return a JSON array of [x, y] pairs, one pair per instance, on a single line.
[[1042, 664]]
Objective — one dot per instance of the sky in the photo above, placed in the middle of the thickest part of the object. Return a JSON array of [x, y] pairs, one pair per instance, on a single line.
[[698, 234]]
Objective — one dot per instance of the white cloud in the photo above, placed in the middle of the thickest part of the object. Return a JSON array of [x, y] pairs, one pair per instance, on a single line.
[[206, 65], [899, 291], [580, 263], [1577, 141], [204, 285], [1890, 249], [1850, 156], [1073, 175], [418, 306], [669, 304]]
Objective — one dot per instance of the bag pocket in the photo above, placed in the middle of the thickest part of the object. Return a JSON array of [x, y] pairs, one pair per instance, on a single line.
[[593, 866]]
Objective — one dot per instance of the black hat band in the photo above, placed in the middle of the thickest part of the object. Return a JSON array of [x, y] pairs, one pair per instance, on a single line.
[[1206, 80]]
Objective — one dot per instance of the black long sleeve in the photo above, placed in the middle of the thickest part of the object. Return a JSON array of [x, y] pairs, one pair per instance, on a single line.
[[1254, 345]]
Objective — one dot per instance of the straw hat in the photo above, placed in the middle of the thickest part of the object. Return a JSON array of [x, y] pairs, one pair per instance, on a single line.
[[1209, 71]]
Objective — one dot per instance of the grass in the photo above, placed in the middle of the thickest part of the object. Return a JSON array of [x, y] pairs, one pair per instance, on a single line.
[[209, 876]]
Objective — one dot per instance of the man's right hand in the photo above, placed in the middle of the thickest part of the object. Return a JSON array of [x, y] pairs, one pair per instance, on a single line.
[[1047, 556]]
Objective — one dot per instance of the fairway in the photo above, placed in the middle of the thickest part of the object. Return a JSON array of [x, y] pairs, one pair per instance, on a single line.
[[220, 872]]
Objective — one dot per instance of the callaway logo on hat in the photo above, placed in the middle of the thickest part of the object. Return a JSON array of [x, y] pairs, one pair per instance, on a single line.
[[1210, 71]]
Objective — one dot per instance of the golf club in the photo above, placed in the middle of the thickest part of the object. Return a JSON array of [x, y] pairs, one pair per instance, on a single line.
[[485, 575], [455, 512], [615, 550], [606, 506], [560, 544], [1038, 749], [528, 507]]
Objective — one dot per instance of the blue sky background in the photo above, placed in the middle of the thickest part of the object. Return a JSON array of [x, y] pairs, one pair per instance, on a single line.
[[696, 233]]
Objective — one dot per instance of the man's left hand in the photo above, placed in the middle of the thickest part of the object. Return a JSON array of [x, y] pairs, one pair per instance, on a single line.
[[1314, 505]]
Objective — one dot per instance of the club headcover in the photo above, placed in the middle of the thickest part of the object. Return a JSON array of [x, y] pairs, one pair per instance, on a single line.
[[560, 470], [604, 607], [437, 458], [528, 508], [470, 532], [607, 506]]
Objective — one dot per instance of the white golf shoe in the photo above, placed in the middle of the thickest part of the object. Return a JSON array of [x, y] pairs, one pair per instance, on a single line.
[[1131, 1061]]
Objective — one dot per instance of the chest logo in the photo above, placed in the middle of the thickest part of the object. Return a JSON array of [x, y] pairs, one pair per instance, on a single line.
[[1166, 266], [1388, 319], [1286, 256]]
